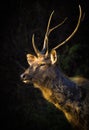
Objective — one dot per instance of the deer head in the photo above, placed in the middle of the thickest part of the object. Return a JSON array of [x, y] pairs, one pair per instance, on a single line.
[[41, 67]]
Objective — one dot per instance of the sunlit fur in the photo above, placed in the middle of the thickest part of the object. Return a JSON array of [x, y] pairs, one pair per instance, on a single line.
[[66, 95]]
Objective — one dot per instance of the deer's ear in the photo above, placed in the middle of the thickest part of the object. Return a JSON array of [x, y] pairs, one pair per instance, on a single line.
[[53, 56], [30, 58]]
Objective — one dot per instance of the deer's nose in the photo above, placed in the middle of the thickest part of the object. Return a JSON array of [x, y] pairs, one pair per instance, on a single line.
[[23, 76]]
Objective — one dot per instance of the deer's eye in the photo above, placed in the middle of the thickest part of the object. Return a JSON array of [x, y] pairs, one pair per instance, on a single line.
[[42, 64]]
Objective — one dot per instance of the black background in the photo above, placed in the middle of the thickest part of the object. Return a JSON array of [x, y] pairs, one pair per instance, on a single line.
[[18, 21]]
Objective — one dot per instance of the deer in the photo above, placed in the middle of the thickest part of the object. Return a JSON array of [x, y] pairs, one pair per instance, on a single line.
[[71, 96]]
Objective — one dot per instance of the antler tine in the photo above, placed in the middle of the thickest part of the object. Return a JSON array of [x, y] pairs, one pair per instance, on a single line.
[[34, 46], [48, 31], [75, 30]]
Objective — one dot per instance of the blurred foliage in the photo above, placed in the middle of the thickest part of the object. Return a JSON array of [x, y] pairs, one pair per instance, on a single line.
[[73, 62]]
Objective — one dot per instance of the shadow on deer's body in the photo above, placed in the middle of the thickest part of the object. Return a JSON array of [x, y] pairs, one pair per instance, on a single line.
[[57, 88]]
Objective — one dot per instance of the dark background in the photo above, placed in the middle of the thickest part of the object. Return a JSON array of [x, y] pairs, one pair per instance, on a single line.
[[21, 105]]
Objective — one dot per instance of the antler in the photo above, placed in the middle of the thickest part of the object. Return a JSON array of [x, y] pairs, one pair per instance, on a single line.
[[34, 46], [75, 30], [48, 31]]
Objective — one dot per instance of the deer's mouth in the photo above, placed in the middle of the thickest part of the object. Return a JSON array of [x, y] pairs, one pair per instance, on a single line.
[[26, 78], [26, 81]]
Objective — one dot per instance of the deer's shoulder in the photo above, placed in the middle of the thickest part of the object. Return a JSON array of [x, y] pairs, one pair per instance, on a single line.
[[80, 81]]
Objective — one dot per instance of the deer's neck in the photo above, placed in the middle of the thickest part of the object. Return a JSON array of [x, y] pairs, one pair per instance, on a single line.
[[59, 88], [63, 93], [67, 97], [65, 90]]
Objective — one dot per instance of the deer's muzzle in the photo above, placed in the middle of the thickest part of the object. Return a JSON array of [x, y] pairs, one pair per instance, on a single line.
[[26, 78]]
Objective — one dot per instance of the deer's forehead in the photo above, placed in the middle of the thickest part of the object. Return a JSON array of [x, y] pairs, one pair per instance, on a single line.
[[41, 59], [33, 60]]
